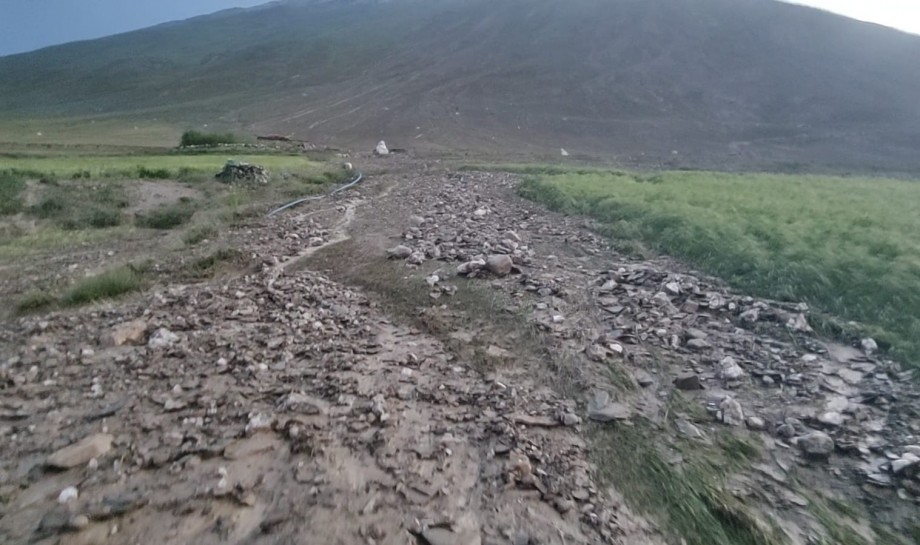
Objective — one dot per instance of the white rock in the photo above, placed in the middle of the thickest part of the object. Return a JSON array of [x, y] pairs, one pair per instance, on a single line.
[[68, 494], [730, 369], [564, 153], [732, 413], [869, 345], [672, 288], [381, 149], [162, 338]]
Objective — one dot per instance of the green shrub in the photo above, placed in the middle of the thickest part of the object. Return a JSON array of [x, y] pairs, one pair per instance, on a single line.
[[208, 266], [167, 216], [34, 301], [107, 285], [199, 234], [154, 173], [196, 138], [11, 187]]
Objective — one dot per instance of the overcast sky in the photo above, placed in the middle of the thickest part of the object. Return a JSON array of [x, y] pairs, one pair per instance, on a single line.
[[30, 24], [902, 14]]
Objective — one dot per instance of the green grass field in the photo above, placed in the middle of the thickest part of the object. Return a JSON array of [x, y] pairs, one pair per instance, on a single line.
[[849, 247], [133, 166]]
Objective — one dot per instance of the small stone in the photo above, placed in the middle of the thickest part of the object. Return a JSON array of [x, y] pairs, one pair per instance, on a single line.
[[399, 252], [68, 494], [643, 379], [730, 369], [697, 344], [688, 382], [756, 423], [162, 338], [81, 452], [609, 412], [902, 465], [381, 149], [499, 264], [732, 413], [78, 522], [672, 288], [869, 345], [128, 333], [816, 444], [831, 418], [416, 221], [570, 419], [520, 464]]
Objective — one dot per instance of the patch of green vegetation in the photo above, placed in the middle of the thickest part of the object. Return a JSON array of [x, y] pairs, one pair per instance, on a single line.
[[846, 246], [78, 205], [34, 301], [209, 265], [688, 499], [199, 234], [197, 138], [152, 166], [107, 285], [11, 187], [167, 216]]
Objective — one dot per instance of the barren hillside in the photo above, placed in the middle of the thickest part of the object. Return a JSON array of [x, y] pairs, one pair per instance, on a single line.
[[718, 83]]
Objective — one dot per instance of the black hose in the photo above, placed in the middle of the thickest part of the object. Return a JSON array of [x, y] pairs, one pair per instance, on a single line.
[[292, 204]]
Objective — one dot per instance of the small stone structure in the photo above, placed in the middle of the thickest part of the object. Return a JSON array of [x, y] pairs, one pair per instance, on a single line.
[[243, 173]]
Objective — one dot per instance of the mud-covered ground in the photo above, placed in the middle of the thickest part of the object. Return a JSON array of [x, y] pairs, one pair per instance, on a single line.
[[346, 384]]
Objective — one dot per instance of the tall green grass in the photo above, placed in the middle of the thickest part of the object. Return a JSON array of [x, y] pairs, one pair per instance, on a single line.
[[107, 285], [11, 187], [849, 247]]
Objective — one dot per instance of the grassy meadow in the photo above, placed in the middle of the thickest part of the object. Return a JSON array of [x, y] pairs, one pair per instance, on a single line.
[[56, 199], [849, 247], [164, 166]]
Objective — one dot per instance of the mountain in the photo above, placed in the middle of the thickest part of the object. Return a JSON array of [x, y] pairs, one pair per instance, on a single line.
[[716, 83]]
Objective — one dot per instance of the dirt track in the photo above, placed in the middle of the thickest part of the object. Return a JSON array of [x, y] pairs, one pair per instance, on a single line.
[[328, 395]]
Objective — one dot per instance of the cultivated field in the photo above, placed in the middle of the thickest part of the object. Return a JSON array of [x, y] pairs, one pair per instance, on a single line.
[[846, 246]]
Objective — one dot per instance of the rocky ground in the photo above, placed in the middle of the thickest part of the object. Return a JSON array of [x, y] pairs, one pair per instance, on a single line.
[[430, 359]]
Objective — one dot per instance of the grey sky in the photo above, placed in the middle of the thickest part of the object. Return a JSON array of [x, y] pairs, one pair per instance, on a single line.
[[901, 14], [31, 24]]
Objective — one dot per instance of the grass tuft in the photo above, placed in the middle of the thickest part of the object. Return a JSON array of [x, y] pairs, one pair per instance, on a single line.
[[167, 216], [107, 285], [199, 234], [11, 187], [34, 301]]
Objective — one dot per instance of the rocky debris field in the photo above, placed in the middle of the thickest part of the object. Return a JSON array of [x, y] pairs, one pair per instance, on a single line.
[[282, 404]]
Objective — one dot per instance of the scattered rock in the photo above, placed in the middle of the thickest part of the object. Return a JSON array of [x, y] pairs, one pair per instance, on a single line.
[[499, 264], [601, 409], [756, 423], [816, 444], [81, 452], [732, 413], [162, 338], [688, 382], [68, 494], [869, 345], [730, 369], [399, 252], [132, 332]]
